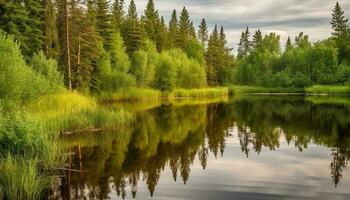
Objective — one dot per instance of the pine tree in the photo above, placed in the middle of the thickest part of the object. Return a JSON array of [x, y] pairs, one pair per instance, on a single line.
[[203, 32], [117, 14], [257, 39], [162, 36], [51, 43], [339, 22], [222, 38], [289, 44], [193, 31], [23, 20], [212, 57], [132, 32], [103, 24], [184, 29], [244, 46], [150, 21], [173, 29], [35, 31]]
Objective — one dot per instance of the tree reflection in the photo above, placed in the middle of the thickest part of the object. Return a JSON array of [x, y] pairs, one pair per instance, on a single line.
[[174, 136]]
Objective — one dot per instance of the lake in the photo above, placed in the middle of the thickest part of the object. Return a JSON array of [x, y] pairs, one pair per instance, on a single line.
[[252, 147]]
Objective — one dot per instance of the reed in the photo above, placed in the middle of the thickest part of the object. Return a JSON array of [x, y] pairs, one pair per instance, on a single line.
[[20, 179]]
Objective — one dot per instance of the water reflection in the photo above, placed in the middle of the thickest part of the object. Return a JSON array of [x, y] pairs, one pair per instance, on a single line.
[[115, 164]]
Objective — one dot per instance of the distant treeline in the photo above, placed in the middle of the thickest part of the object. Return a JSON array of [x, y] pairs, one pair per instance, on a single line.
[[261, 61]]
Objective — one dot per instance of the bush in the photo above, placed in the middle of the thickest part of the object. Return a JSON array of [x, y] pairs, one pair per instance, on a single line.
[[17, 81], [48, 68]]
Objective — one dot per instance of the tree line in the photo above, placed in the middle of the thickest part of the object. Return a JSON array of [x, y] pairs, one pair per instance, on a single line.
[[104, 47], [262, 62]]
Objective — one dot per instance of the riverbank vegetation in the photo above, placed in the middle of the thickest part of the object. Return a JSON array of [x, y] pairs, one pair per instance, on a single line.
[[59, 58], [261, 61]]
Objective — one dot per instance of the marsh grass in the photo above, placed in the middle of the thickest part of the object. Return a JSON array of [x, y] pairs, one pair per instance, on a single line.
[[71, 111], [133, 94], [238, 90], [204, 93], [313, 90], [20, 179], [329, 89]]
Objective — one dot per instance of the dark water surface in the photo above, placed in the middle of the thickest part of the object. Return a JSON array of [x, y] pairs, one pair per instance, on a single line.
[[247, 148]]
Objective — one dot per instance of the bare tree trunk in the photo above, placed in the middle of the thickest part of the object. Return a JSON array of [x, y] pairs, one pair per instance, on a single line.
[[68, 47]]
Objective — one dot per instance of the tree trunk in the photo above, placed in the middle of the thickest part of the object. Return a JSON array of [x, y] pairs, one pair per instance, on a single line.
[[68, 47]]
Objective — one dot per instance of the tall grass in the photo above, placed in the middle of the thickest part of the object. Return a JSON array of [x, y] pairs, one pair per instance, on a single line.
[[237, 90], [20, 179], [197, 93], [22, 135], [133, 94], [313, 90], [70, 111], [329, 89]]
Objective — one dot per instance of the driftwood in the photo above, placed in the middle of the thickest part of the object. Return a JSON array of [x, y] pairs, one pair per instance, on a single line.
[[67, 169]]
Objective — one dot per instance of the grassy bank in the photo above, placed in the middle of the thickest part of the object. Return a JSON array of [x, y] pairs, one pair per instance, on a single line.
[[328, 89], [314, 90], [137, 94], [70, 111], [30, 146], [204, 93], [132, 94]]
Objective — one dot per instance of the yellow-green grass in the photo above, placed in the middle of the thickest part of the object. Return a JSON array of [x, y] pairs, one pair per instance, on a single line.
[[313, 90], [238, 90], [135, 94], [328, 89], [71, 111], [20, 179], [203, 93]]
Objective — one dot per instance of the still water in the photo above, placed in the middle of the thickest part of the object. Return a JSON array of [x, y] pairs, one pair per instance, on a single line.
[[246, 148]]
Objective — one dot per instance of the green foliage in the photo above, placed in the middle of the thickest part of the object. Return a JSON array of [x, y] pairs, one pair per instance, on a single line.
[[23, 20], [143, 67], [18, 81], [48, 68], [165, 73], [119, 59], [175, 69], [20, 179]]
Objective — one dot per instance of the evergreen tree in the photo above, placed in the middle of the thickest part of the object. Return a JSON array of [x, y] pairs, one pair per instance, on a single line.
[[339, 22], [117, 14], [289, 44], [23, 20], [162, 36], [51, 43], [34, 31], [173, 29], [203, 32], [244, 46], [150, 21], [212, 57], [257, 39], [103, 24], [193, 31], [222, 37], [132, 32], [184, 29]]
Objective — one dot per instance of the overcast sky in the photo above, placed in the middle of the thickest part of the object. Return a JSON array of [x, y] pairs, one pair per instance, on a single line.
[[285, 17]]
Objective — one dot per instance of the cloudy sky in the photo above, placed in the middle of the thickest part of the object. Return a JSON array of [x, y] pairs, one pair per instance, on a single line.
[[285, 17]]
